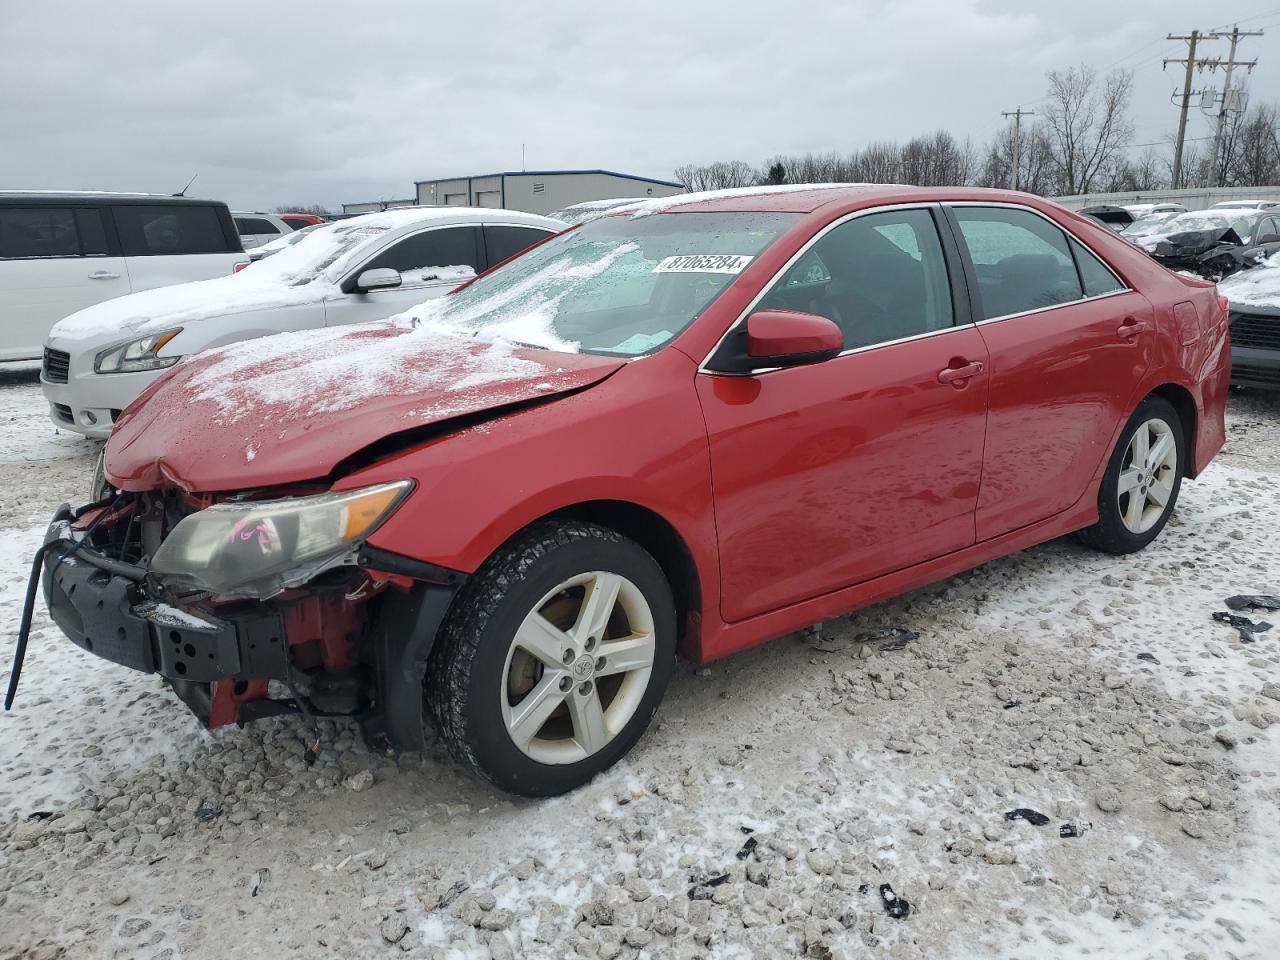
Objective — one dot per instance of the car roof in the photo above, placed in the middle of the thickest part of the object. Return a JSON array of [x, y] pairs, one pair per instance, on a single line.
[[405, 217], [64, 196]]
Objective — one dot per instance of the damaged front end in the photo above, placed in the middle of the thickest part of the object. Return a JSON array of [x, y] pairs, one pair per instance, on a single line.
[[1211, 254], [253, 605]]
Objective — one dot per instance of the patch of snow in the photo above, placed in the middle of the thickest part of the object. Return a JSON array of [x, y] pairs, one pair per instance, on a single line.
[[167, 615], [1256, 287]]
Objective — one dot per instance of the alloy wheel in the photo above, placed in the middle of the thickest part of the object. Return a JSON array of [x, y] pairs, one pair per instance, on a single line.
[[1147, 476], [577, 668]]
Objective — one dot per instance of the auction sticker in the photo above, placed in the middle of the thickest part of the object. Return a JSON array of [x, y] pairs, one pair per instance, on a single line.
[[703, 263]]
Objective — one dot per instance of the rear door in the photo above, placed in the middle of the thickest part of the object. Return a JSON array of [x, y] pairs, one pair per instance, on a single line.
[[431, 263], [835, 473], [1068, 342], [175, 243], [53, 262]]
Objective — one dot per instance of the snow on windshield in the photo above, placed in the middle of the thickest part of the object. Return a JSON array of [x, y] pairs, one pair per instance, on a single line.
[[663, 204], [616, 285], [1257, 287]]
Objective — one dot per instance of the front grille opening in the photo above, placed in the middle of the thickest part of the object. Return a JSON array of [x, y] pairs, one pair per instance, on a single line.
[[57, 365], [1262, 333], [63, 413]]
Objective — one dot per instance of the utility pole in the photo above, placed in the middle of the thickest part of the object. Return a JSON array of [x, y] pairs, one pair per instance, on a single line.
[[1230, 65], [1017, 115], [1192, 39]]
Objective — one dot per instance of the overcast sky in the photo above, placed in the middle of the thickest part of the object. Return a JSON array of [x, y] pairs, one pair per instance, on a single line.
[[280, 101]]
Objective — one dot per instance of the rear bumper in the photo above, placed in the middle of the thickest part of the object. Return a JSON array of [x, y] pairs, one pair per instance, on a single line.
[[1255, 367]]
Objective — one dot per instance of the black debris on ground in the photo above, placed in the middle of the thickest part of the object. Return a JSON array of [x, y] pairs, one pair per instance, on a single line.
[[891, 638], [206, 813], [1253, 601], [1243, 625], [748, 848], [1068, 830], [1013, 703], [1033, 817], [894, 905], [39, 815], [1149, 657], [702, 891]]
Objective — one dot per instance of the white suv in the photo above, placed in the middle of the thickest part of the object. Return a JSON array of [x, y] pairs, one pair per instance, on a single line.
[[61, 252], [255, 229], [359, 269]]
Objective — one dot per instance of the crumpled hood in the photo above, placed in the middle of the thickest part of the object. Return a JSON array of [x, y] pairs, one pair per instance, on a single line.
[[150, 311], [1189, 242], [289, 408]]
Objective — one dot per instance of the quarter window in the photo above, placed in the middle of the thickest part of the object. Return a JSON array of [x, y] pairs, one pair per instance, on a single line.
[[1021, 260], [255, 227], [446, 247], [158, 230], [37, 232], [1095, 276], [880, 277]]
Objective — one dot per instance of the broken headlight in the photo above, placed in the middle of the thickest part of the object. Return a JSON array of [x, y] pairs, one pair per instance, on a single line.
[[259, 548]]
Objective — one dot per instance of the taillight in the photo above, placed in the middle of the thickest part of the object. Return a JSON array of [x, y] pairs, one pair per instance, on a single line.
[[240, 266], [1225, 304]]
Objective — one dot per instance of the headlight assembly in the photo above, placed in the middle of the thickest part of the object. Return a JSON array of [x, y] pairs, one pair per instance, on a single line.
[[132, 356], [258, 549]]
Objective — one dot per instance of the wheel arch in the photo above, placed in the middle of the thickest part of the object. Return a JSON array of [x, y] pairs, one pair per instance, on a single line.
[[656, 534], [1185, 406]]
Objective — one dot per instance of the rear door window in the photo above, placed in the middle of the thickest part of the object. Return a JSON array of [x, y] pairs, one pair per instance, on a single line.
[[503, 242], [27, 233], [149, 230], [445, 247], [1021, 260]]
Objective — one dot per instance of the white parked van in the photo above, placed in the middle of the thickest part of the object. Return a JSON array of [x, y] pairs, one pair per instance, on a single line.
[[62, 252], [358, 269]]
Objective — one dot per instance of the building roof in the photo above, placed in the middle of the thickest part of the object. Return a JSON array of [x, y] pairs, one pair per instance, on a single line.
[[552, 173]]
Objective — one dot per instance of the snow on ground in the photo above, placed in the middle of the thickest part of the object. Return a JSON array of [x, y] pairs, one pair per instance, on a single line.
[[1094, 690]]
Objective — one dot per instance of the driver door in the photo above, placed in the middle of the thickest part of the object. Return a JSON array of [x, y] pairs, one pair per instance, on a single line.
[[835, 473]]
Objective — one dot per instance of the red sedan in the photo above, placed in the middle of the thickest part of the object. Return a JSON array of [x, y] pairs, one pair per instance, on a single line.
[[684, 429]]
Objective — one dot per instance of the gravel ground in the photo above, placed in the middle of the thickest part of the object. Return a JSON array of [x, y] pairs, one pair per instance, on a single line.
[[783, 797]]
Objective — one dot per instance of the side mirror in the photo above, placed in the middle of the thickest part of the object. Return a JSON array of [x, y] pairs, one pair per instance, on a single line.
[[786, 338], [382, 278]]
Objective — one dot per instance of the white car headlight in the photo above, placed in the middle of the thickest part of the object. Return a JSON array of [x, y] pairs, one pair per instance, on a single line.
[[130, 356], [258, 549]]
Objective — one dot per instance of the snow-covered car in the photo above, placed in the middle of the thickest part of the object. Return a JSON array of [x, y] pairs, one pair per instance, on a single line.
[[364, 268], [280, 243], [1254, 296], [1215, 243], [1141, 210], [1147, 226], [590, 209], [62, 252]]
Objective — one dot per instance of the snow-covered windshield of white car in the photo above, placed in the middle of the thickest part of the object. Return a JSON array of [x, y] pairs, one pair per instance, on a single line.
[[617, 285], [323, 253]]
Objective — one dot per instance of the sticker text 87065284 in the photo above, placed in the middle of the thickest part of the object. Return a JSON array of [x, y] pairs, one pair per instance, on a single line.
[[703, 263]]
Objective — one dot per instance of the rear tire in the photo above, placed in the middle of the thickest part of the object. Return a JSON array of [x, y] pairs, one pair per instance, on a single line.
[[1140, 488], [553, 658]]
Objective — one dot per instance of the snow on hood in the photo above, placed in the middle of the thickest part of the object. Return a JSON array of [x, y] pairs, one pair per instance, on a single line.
[[304, 272], [1258, 287], [288, 408]]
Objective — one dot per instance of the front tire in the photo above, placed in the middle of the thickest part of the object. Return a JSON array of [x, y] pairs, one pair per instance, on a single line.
[[553, 658], [1142, 481]]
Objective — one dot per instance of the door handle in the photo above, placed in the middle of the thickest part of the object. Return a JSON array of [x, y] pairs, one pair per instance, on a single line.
[[1130, 328], [104, 275], [958, 375]]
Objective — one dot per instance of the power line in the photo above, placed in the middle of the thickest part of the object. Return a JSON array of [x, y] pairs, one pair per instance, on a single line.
[[1229, 65], [1192, 39]]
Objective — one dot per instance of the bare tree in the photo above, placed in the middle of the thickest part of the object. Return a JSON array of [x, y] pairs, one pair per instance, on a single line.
[[1037, 172], [1255, 159], [319, 209], [1142, 172], [720, 175], [1087, 124]]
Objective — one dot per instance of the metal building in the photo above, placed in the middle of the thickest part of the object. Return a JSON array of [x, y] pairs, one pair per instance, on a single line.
[[541, 191]]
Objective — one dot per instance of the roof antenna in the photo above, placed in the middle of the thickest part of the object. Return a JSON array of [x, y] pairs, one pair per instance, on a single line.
[[183, 191]]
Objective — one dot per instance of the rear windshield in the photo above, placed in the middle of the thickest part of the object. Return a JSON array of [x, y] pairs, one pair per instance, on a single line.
[[150, 230], [619, 285]]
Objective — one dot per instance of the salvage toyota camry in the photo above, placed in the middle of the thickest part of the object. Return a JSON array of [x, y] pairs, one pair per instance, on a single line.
[[686, 427]]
